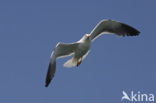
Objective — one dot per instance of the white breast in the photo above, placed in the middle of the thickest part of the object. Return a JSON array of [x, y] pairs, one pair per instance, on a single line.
[[82, 49]]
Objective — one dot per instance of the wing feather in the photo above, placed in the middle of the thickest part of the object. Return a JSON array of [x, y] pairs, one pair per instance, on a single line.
[[61, 50], [111, 26]]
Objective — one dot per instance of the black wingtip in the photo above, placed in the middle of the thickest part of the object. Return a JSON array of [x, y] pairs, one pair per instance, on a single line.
[[46, 85], [130, 31], [50, 73], [47, 82]]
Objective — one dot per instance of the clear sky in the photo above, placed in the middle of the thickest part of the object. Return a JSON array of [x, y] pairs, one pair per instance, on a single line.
[[30, 29]]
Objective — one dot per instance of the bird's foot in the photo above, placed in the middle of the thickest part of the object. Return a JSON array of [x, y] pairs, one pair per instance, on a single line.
[[79, 62]]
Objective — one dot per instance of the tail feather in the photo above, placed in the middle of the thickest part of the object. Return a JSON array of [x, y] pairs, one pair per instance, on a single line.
[[71, 63]]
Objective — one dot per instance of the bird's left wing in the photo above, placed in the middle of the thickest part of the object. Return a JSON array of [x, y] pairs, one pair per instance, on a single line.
[[111, 26], [61, 50]]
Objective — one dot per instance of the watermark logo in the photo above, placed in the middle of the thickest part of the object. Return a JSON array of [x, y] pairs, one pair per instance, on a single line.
[[137, 96]]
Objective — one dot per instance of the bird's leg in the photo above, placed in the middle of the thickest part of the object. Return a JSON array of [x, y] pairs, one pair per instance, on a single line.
[[79, 62]]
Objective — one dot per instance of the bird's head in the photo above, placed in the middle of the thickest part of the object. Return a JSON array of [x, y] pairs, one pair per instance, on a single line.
[[87, 36]]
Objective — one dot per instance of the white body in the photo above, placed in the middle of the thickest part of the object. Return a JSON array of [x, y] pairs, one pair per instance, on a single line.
[[80, 52]]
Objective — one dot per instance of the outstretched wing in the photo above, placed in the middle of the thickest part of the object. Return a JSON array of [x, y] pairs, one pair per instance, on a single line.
[[64, 49], [61, 50], [111, 26]]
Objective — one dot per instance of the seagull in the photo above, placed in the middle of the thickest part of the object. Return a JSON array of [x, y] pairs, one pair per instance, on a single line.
[[80, 49]]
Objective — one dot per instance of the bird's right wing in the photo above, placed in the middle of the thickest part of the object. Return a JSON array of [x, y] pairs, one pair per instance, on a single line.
[[112, 26], [61, 50]]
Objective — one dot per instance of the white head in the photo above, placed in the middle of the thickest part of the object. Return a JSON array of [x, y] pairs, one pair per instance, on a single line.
[[86, 37]]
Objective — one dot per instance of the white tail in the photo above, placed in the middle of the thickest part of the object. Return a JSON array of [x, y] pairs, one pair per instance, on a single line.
[[70, 63]]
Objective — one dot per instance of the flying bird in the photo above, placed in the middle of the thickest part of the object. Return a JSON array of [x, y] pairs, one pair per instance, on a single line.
[[80, 49]]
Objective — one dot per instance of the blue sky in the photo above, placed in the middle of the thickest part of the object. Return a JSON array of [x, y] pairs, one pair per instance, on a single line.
[[29, 31]]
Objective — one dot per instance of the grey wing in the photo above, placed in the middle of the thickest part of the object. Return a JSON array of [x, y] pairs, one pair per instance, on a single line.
[[111, 26], [60, 50], [64, 49]]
